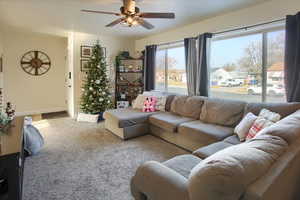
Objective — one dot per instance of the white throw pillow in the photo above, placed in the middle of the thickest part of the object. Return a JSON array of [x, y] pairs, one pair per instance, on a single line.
[[161, 103], [139, 101], [244, 126], [269, 115]]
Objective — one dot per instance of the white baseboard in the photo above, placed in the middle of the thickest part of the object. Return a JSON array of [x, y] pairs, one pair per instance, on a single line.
[[36, 112]]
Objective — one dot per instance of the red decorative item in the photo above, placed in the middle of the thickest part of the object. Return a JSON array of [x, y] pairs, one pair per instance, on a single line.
[[149, 104]]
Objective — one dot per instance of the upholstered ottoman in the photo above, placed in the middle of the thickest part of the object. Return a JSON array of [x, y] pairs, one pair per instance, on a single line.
[[127, 123]]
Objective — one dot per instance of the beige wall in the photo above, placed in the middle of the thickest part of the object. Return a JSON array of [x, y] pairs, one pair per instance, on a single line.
[[270, 10], [113, 46], [34, 94]]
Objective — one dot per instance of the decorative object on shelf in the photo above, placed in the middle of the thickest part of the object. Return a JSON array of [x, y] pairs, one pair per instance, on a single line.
[[6, 118], [87, 51], [4, 122], [125, 54], [137, 55], [84, 65], [96, 98], [35, 63], [129, 78], [122, 104], [10, 112]]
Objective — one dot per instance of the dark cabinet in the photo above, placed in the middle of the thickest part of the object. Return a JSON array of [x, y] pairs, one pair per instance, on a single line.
[[12, 161]]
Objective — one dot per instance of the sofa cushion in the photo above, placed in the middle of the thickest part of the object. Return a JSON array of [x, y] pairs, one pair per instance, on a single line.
[[211, 149], [234, 139], [168, 121], [284, 109], [222, 112], [207, 133], [183, 164], [227, 173], [288, 128], [169, 101], [127, 117], [187, 106]]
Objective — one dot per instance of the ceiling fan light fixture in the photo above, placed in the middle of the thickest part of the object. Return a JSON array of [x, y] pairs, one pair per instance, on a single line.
[[131, 15]]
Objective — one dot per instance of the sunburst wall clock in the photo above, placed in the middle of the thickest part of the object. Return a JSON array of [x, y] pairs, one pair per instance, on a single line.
[[35, 63]]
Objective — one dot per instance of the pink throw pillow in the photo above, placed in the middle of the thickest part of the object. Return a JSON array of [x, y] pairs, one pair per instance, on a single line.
[[149, 104]]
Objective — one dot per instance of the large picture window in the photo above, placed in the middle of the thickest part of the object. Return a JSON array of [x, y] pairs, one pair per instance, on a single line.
[[170, 72], [248, 67]]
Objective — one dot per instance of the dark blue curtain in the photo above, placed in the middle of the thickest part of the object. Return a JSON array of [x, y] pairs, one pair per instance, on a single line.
[[292, 58], [203, 60], [150, 57]]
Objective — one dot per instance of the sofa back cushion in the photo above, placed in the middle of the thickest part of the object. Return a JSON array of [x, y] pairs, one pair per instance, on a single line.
[[222, 112], [227, 173], [169, 101], [187, 106], [288, 128], [283, 109]]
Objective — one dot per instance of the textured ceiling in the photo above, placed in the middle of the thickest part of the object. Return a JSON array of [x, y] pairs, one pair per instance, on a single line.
[[61, 16]]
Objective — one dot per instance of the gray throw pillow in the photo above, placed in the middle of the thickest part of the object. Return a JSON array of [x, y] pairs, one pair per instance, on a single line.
[[33, 140]]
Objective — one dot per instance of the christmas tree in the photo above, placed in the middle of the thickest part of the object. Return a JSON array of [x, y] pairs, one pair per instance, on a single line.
[[96, 97]]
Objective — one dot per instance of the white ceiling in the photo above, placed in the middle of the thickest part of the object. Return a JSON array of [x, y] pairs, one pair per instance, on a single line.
[[62, 16]]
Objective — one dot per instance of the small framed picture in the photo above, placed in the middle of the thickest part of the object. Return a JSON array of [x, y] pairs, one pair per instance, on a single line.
[[86, 51], [84, 65]]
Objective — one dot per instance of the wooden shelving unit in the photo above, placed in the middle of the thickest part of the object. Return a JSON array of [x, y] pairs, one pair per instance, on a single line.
[[129, 79]]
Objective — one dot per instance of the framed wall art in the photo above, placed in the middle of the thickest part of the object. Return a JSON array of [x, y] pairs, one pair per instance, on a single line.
[[86, 51], [83, 65]]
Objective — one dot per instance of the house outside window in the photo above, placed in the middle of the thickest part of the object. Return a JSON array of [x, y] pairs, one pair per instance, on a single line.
[[248, 67]]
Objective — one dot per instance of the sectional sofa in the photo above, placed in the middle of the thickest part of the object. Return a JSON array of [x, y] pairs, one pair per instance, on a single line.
[[220, 166]]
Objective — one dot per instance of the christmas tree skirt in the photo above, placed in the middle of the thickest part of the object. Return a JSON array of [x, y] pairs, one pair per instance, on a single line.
[[83, 117]]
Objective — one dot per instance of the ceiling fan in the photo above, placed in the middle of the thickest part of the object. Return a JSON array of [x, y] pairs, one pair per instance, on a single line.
[[131, 15]]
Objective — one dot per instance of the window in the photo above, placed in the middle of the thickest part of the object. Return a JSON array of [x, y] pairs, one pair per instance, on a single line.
[[248, 68], [170, 70]]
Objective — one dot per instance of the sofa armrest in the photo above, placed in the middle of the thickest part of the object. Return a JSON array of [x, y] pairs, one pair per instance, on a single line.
[[156, 181]]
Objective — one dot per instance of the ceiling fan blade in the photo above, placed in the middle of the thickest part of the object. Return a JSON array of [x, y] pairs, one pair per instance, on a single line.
[[157, 15], [101, 12], [115, 22], [145, 24]]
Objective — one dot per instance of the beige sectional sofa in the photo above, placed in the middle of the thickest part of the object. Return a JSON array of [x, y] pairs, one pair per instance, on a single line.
[[221, 167], [189, 122]]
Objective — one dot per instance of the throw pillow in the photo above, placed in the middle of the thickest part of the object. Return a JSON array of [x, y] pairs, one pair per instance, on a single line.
[[269, 115], [149, 104], [244, 126], [139, 101], [259, 124], [161, 103]]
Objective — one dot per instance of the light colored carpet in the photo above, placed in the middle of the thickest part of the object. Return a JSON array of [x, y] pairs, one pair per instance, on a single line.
[[83, 161]]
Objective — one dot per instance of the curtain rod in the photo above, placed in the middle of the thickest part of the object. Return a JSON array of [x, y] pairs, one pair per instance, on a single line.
[[230, 30]]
